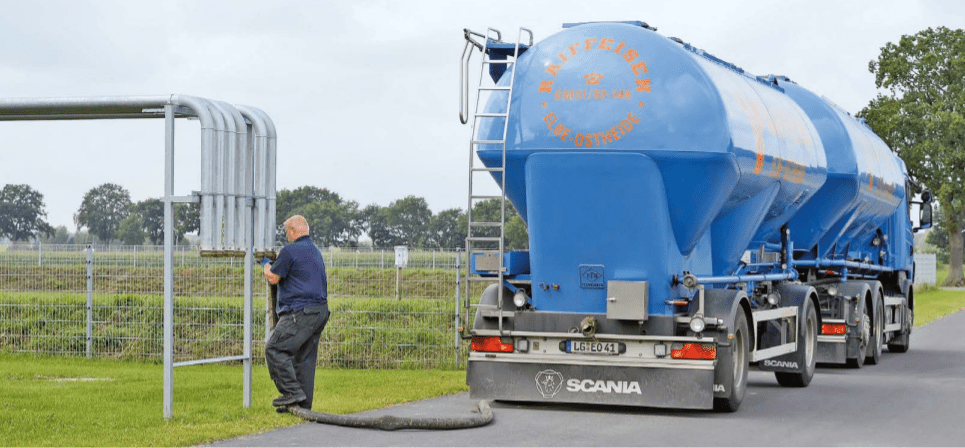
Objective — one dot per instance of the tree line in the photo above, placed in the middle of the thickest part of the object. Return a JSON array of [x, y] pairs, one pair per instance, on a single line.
[[108, 215]]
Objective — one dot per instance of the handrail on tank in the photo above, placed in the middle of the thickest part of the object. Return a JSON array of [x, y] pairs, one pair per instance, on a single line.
[[464, 72]]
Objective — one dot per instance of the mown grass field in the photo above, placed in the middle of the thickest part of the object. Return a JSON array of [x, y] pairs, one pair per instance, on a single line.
[[66, 401]]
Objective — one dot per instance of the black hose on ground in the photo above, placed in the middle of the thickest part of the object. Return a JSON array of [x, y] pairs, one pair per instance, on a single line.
[[483, 416]]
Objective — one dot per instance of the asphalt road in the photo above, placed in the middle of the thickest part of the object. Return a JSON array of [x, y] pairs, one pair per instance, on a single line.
[[911, 399]]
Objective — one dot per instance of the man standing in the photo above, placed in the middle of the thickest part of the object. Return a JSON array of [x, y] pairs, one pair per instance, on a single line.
[[292, 349]]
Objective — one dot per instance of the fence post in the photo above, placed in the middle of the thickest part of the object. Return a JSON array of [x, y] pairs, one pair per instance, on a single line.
[[40, 253], [135, 257], [382, 265], [90, 299], [458, 311]]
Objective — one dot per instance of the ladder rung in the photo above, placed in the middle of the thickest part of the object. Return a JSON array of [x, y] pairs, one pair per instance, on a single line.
[[488, 169], [484, 238], [497, 88], [488, 142], [486, 224], [497, 61], [486, 197], [491, 115]]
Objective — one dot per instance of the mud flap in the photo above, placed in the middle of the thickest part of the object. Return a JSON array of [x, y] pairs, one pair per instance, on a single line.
[[575, 383], [797, 361]]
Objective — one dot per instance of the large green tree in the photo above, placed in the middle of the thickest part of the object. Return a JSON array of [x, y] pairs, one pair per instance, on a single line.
[[131, 230], [150, 214], [445, 231], [103, 209], [921, 114], [22, 213], [405, 222], [332, 220]]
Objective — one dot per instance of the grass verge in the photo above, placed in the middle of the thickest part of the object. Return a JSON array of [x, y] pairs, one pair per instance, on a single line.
[[936, 303], [47, 401]]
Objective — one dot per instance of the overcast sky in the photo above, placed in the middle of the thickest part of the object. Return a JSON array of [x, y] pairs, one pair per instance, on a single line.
[[364, 94]]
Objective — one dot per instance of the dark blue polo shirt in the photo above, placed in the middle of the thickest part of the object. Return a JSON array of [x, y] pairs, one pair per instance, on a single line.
[[302, 271]]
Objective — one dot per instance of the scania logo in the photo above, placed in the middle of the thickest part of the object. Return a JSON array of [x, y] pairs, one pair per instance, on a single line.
[[549, 382], [784, 364]]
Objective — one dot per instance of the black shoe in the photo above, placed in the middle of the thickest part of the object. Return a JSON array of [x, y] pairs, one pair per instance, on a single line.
[[286, 400]]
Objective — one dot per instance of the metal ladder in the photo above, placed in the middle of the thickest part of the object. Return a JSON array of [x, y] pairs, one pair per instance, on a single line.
[[474, 227]]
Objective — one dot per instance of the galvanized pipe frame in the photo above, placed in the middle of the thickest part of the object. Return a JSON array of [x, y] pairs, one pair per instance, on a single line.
[[224, 138]]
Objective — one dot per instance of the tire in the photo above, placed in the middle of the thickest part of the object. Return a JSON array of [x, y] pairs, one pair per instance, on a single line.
[[864, 335], [738, 362], [877, 334], [901, 343], [809, 334]]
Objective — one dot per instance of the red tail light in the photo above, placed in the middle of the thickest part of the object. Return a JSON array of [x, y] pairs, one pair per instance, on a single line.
[[834, 329], [490, 344], [693, 350]]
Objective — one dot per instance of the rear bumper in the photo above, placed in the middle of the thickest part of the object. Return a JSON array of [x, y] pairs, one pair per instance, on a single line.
[[684, 385]]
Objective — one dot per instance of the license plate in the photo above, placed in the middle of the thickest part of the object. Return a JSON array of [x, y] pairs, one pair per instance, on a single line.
[[593, 347]]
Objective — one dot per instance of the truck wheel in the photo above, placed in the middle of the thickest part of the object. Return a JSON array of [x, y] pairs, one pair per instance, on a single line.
[[809, 335], [902, 342], [877, 334], [738, 362], [864, 334]]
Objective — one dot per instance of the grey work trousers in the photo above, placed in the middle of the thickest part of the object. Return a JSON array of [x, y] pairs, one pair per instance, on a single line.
[[292, 351]]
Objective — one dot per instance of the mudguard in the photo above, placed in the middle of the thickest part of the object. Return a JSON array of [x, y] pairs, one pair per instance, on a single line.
[[725, 304]]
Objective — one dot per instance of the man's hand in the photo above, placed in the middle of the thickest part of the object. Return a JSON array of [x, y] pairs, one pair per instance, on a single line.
[[270, 276]]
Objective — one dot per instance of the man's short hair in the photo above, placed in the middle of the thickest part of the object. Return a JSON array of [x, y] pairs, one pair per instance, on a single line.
[[297, 223]]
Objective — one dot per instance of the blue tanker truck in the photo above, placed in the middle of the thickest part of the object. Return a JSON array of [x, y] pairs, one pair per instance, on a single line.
[[687, 221]]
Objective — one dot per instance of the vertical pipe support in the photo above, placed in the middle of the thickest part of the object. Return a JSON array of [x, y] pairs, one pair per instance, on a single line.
[[249, 274], [169, 261]]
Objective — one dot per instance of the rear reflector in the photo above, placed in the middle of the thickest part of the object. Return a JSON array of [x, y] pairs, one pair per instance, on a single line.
[[490, 344], [693, 350], [834, 329]]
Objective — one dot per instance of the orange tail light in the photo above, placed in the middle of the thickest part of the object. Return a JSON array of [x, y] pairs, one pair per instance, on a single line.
[[490, 344], [691, 350], [834, 329]]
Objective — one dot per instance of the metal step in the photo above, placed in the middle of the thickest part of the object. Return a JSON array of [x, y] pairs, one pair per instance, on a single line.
[[491, 115], [486, 224], [488, 142], [496, 88], [491, 170], [486, 196]]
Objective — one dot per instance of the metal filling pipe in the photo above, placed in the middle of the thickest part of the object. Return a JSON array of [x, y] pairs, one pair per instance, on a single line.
[[236, 128], [199, 107], [258, 166], [270, 181], [217, 182]]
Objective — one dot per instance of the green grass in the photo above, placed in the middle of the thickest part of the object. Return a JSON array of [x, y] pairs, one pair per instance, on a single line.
[[937, 303], [76, 402]]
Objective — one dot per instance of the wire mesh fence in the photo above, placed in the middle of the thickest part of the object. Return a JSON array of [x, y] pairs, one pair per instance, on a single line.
[[382, 317]]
